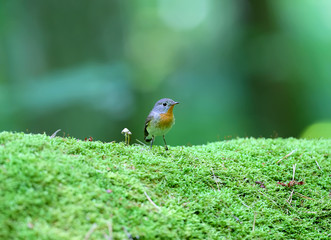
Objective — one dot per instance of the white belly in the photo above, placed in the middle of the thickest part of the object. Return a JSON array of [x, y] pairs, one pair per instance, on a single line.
[[153, 130]]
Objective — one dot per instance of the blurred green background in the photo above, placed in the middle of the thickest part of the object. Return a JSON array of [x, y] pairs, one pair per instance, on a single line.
[[238, 68]]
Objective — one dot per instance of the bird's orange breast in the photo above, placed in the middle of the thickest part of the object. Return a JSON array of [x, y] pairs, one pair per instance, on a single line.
[[167, 119]]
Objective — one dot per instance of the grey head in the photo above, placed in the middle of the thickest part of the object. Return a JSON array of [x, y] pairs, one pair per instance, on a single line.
[[163, 105]]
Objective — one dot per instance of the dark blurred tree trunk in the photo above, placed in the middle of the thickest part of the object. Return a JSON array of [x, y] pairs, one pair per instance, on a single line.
[[271, 87]]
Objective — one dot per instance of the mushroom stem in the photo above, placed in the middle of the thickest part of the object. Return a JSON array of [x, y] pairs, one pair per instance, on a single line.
[[127, 135]]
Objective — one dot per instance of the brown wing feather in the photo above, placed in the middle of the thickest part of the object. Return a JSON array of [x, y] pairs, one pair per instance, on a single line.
[[148, 119]]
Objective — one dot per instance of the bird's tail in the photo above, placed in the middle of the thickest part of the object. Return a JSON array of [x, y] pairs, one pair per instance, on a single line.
[[148, 139]]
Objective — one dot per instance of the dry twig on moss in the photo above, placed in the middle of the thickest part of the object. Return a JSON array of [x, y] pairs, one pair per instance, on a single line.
[[287, 155], [89, 233], [150, 200]]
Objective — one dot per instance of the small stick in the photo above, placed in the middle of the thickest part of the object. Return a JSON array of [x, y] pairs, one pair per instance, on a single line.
[[110, 230], [268, 197], [149, 199], [237, 219], [254, 222], [127, 233], [89, 233], [290, 197], [140, 142], [273, 200], [287, 155], [294, 166], [212, 187], [215, 179], [243, 203], [54, 134], [304, 196], [318, 165]]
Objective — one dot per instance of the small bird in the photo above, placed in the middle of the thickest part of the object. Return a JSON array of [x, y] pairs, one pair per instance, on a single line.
[[160, 120]]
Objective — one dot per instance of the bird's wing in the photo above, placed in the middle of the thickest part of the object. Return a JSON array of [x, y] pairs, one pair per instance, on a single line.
[[148, 119]]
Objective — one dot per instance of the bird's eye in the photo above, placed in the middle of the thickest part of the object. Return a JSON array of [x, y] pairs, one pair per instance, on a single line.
[[164, 104]]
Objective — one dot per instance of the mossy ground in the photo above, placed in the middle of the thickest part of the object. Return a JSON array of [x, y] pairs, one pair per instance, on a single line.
[[58, 188]]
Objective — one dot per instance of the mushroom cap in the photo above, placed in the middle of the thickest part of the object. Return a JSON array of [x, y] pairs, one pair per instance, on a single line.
[[126, 131]]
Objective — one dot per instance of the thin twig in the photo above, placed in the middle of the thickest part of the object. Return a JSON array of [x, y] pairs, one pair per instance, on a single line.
[[127, 233], [254, 222], [237, 219], [303, 196], [54, 134], [274, 201], [89, 233], [211, 186], [294, 166], [141, 142], [149, 199], [268, 197], [288, 200], [243, 203], [110, 230], [215, 179], [287, 155], [318, 165]]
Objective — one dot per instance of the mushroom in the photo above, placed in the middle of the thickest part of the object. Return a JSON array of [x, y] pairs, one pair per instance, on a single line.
[[126, 132]]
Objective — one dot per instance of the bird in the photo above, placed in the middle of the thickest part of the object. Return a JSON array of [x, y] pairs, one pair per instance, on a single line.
[[160, 120]]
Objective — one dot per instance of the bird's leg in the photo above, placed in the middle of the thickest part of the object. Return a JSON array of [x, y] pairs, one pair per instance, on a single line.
[[152, 141], [165, 143]]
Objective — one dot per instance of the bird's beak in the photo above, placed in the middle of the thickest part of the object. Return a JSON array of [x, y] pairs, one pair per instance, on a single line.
[[175, 103]]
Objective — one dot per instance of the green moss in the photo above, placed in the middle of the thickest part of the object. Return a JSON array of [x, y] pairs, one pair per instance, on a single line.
[[57, 188]]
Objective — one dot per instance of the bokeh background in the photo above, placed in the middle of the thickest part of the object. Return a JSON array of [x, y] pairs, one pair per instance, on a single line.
[[238, 68]]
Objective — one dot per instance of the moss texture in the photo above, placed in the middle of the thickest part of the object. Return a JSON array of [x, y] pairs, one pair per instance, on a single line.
[[64, 188]]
